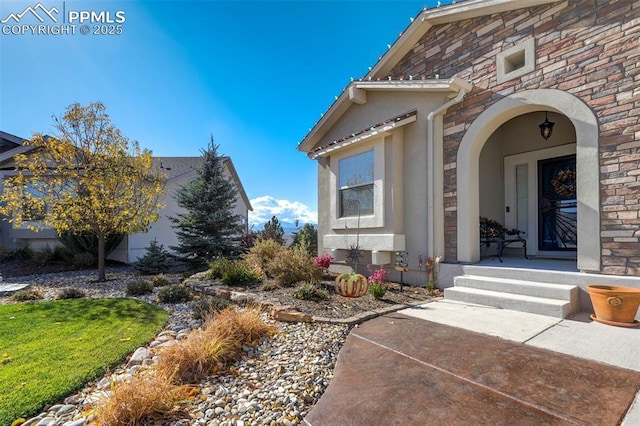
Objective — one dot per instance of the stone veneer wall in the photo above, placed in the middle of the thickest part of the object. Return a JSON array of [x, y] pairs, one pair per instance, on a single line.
[[589, 49]]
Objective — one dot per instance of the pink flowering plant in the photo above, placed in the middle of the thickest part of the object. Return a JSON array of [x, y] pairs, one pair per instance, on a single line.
[[377, 279], [323, 261], [379, 275]]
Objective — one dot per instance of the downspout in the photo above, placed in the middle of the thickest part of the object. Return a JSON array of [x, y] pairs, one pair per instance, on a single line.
[[435, 198]]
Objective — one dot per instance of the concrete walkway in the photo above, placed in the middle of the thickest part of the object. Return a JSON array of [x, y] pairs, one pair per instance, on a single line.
[[447, 363]]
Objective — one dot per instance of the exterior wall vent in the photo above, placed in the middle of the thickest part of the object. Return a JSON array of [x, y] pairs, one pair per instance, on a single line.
[[516, 61]]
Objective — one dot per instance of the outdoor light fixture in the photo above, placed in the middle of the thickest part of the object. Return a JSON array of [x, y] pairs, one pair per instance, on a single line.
[[546, 128]]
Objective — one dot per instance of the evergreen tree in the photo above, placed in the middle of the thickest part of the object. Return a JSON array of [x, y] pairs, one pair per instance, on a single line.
[[209, 228], [307, 236], [273, 231], [156, 260]]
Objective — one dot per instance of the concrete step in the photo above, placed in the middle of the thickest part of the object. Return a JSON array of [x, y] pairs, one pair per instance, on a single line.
[[564, 292], [541, 276], [517, 302]]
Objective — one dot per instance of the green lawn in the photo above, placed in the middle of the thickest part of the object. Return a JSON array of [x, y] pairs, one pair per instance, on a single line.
[[50, 349]]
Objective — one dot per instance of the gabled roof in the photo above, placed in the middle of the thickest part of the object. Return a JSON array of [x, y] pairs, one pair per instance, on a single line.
[[379, 73], [172, 167], [175, 167], [9, 141], [356, 93]]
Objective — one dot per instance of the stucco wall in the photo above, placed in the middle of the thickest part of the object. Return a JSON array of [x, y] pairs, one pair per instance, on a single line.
[[405, 205], [588, 49], [162, 229]]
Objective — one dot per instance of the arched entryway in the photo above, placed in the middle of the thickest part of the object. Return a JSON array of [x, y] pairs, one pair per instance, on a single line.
[[587, 168]]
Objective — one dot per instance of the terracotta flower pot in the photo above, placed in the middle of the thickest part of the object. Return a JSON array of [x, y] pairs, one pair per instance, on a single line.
[[615, 305], [351, 285]]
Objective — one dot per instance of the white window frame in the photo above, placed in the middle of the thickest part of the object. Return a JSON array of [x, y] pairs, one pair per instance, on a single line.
[[375, 220]]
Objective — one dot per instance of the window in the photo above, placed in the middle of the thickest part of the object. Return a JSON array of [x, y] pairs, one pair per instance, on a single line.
[[356, 177], [33, 206], [357, 181]]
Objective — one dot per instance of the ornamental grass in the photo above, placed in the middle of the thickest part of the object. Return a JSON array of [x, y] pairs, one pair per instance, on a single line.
[[203, 352]]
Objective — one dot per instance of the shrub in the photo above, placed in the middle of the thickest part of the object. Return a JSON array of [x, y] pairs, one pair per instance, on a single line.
[[377, 289], [139, 288], [239, 273], [43, 256], [27, 294], [262, 253], [156, 260], [160, 281], [218, 267], [21, 253], [308, 291], [293, 265], [174, 293], [205, 307], [70, 293], [87, 242], [84, 260], [61, 254]]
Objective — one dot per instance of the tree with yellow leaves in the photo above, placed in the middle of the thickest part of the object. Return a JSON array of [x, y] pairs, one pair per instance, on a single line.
[[89, 178]]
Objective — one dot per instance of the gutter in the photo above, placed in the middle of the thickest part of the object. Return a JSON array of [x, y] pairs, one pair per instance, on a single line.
[[435, 197]]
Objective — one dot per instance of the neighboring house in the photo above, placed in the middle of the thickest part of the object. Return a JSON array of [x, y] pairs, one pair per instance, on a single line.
[[179, 171], [445, 128]]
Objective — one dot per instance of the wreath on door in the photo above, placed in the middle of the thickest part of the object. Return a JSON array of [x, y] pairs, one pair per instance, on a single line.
[[564, 183]]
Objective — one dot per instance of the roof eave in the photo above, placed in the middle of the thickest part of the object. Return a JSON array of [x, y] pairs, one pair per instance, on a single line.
[[236, 178], [345, 100]]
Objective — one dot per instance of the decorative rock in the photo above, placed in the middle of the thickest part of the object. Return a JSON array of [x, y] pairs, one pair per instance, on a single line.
[[239, 298], [65, 409], [292, 316], [223, 293], [47, 421], [138, 356]]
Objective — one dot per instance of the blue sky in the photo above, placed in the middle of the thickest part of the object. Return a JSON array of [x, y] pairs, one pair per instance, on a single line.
[[255, 75]]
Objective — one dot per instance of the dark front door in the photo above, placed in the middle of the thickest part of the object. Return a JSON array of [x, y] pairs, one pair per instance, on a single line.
[[557, 204]]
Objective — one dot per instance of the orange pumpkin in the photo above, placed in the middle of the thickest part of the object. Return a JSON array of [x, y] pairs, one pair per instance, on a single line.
[[351, 285]]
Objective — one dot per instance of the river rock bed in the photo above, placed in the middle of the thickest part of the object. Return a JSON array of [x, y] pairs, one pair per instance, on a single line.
[[275, 383]]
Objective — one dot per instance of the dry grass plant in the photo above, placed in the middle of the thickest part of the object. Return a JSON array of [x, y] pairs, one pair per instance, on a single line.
[[144, 399], [208, 350], [159, 393]]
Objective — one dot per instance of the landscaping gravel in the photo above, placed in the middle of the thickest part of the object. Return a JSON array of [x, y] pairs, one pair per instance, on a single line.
[[275, 383]]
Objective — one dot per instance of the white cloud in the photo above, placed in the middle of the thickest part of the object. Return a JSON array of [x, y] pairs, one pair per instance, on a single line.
[[286, 211]]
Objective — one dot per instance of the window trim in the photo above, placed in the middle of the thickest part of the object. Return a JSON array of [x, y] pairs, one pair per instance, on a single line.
[[340, 207], [375, 220]]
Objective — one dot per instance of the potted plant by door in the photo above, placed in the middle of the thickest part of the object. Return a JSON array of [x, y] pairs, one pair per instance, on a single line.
[[351, 284], [615, 305]]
